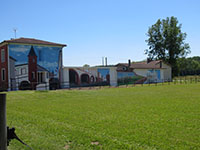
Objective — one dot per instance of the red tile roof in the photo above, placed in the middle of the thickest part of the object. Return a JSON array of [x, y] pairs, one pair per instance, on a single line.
[[144, 65], [32, 41]]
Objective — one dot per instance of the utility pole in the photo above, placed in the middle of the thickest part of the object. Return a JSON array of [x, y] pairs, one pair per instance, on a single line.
[[3, 127]]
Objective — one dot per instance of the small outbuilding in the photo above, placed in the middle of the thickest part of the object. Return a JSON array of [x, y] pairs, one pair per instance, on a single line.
[[145, 72]]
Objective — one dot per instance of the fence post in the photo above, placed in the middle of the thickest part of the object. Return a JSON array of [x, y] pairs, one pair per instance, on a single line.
[[3, 128]]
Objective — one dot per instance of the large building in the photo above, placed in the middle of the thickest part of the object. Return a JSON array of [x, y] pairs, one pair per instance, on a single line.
[[35, 64], [32, 63]]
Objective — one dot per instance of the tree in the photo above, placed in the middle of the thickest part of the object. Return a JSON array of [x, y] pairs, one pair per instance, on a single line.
[[189, 66], [86, 65], [166, 42]]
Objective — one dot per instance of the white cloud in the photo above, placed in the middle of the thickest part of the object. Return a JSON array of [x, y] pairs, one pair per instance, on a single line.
[[48, 64], [21, 48], [44, 47], [40, 47]]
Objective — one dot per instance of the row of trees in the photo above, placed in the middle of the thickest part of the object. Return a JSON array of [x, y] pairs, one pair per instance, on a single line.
[[188, 66]]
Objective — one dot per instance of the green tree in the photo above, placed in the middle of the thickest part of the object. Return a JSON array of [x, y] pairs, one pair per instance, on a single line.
[[166, 42], [189, 66], [86, 65]]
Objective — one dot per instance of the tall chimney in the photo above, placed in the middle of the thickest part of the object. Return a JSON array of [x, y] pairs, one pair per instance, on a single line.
[[129, 63], [102, 61], [160, 64], [148, 60], [106, 61]]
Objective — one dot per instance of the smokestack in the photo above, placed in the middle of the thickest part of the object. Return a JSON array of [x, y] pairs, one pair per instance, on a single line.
[[106, 61], [148, 60], [102, 61], [129, 63], [160, 64]]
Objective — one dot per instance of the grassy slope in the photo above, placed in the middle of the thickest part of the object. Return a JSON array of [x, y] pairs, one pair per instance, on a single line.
[[155, 117]]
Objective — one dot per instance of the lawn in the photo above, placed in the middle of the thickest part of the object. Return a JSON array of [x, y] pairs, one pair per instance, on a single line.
[[164, 117]]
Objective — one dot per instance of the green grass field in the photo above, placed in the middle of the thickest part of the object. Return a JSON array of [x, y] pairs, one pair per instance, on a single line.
[[142, 118]]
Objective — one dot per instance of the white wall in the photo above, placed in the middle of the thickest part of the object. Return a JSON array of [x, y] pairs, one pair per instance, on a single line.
[[65, 83], [113, 76], [167, 72]]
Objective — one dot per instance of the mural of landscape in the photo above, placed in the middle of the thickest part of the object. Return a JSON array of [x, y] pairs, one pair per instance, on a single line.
[[128, 78]]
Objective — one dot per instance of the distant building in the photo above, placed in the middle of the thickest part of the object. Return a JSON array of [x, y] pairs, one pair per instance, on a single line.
[[146, 72], [32, 62]]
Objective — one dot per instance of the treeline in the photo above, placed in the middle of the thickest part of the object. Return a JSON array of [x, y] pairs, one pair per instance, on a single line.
[[188, 66]]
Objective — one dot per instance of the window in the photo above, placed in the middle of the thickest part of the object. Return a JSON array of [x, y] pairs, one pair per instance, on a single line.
[[33, 60], [19, 71], [47, 75], [3, 74], [2, 55], [33, 75], [125, 68], [23, 71]]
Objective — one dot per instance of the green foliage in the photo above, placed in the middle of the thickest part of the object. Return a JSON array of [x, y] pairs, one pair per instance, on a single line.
[[166, 42], [138, 118], [189, 66], [86, 65]]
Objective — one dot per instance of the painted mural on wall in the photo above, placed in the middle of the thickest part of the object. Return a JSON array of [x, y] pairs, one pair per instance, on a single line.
[[104, 74], [37, 64], [128, 78], [154, 75], [80, 76], [47, 57]]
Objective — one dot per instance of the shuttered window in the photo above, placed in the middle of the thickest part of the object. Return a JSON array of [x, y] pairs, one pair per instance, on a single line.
[[2, 55], [3, 74]]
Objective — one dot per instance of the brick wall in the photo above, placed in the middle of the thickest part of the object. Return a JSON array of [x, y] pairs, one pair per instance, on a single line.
[[4, 84]]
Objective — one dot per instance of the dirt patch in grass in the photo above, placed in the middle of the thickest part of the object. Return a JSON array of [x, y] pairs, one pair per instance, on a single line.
[[95, 143], [67, 147]]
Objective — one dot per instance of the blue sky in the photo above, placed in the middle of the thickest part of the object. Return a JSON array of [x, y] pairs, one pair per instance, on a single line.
[[96, 28]]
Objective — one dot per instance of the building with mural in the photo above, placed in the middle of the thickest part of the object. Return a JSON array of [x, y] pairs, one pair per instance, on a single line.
[[30, 63], [35, 64], [89, 76], [143, 72]]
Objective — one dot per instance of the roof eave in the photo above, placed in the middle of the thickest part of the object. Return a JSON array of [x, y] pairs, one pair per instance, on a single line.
[[56, 45]]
